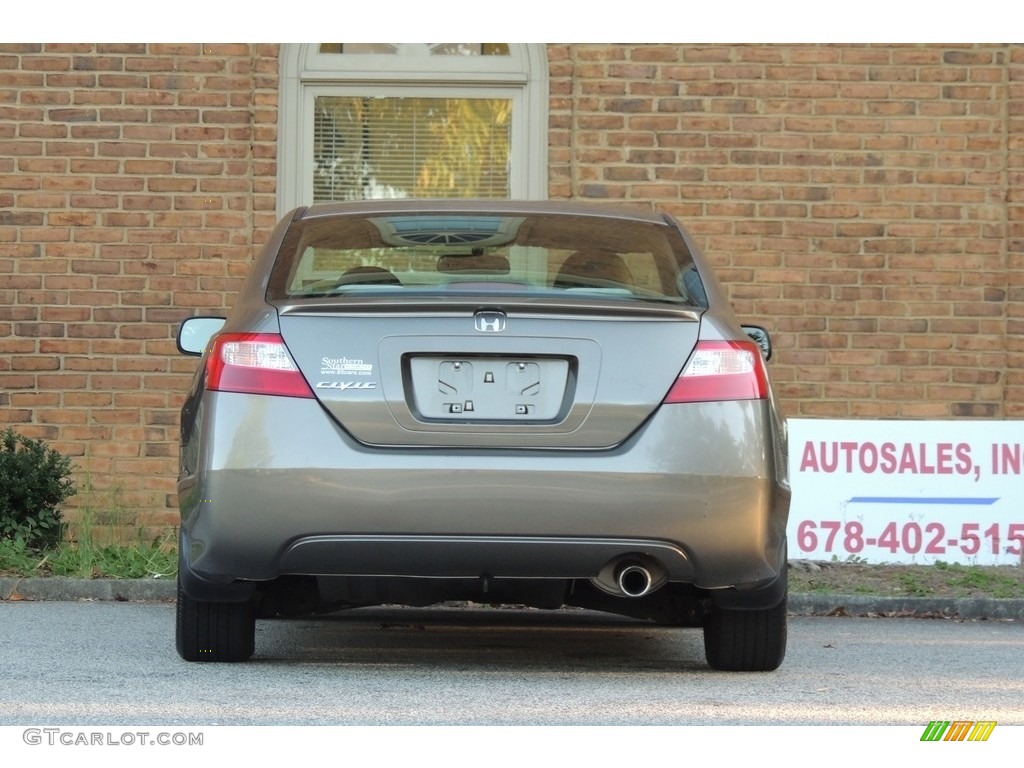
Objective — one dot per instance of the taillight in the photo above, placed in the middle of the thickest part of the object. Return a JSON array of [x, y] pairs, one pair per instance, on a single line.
[[721, 370], [254, 363]]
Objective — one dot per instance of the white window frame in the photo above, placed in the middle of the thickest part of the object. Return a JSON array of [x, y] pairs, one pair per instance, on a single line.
[[306, 73]]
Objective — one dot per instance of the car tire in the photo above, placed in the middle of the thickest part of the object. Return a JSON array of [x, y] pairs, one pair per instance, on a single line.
[[214, 631], [745, 640]]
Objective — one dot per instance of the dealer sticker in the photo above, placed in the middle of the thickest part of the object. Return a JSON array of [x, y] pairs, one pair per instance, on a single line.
[[344, 366]]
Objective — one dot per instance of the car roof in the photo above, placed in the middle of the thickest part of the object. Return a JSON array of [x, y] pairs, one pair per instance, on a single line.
[[639, 212]]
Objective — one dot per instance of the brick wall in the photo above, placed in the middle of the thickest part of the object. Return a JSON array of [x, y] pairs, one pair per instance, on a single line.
[[1015, 237], [135, 183], [864, 203]]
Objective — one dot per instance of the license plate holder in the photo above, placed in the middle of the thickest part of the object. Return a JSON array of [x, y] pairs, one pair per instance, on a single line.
[[475, 388]]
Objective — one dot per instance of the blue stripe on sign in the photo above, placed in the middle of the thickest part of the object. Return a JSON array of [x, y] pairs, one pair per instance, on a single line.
[[970, 500]]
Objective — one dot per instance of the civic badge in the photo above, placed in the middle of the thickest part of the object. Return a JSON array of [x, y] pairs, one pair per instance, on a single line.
[[489, 321]]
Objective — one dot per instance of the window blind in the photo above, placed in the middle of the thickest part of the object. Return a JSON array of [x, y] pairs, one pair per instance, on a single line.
[[379, 147]]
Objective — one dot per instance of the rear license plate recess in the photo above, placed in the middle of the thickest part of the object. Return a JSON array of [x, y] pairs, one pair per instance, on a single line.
[[486, 388]]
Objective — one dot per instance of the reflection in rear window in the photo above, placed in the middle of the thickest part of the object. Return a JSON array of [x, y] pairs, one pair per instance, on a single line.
[[553, 254]]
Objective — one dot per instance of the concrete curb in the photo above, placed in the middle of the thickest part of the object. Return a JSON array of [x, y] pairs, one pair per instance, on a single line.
[[163, 590], [910, 607], [56, 588]]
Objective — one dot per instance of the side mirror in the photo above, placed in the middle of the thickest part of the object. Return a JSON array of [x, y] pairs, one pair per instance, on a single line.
[[760, 335], [196, 332]]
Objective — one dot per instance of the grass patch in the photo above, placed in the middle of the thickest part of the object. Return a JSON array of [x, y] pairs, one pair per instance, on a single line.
[[970, 580], [939, 580], [96, 549]]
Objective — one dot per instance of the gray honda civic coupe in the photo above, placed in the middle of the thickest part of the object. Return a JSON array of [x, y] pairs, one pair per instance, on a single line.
[[537, 403]]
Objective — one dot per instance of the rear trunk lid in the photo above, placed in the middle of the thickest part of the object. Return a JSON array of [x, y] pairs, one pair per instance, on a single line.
[[569, 374]]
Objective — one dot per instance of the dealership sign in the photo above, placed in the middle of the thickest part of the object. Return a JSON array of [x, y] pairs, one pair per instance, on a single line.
[[907, 491]]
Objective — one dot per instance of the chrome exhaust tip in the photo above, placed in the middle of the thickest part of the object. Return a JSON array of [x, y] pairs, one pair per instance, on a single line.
[[631, 576], [634, 580]]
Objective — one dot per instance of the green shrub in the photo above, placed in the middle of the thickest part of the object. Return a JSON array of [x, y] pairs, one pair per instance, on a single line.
[[34, 481]]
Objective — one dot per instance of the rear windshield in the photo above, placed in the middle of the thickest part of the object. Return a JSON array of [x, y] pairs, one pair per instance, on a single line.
[[560, 255]]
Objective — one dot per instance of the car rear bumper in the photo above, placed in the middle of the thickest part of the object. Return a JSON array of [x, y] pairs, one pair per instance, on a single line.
[[284, 490]]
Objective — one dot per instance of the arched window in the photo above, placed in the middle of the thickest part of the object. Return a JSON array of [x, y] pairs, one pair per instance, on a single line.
[[373, 120]]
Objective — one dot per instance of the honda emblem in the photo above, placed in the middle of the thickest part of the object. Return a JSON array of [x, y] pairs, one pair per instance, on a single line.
[[489, 322]]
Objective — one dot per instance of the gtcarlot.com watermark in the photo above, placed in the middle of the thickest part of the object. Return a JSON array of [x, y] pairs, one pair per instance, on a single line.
[[72, 737]]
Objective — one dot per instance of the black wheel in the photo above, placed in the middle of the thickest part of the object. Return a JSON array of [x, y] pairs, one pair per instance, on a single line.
[[745, 641], [214, 631]]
